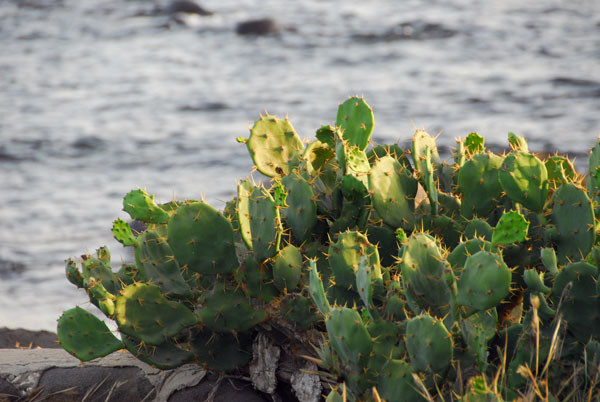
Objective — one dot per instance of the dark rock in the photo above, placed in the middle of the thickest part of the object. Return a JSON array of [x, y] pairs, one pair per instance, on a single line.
[[226, 390], [9, 268], [97, 384], [413, 30], [8, 392], [262, 26], [186, 6], [9, 338], [87, 143]]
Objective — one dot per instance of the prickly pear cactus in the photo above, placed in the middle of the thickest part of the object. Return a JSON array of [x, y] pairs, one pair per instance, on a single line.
[[396, 276]]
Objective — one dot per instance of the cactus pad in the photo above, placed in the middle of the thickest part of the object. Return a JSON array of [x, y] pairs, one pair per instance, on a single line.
[[478, 182], [155, 259], [144, 313], [429, 344], [272, 144], [355, 119], [226, 309], [202, 239], [287, 268], [141, 206], [424, 271], [393, 192], [345, 255], [511, 228], [84, 336], [484, 282], [301, 211], [525, 179], [573, 216]]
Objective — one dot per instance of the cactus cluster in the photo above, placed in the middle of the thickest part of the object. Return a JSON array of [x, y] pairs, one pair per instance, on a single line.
[[425, 277]]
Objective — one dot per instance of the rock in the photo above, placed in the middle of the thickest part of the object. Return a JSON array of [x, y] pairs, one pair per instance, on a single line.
[[9, 268], [10, 338], [413, 30], [222, 390], [187, 7], [258, 27], [97, 383], [8, 391]]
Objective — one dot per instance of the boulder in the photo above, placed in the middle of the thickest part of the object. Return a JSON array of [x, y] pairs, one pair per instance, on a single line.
[[258, 27]]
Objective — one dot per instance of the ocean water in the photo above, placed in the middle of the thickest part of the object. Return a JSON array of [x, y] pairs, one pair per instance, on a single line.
[[97, 97]]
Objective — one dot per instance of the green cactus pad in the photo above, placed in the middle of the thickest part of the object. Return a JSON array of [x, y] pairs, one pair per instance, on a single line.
[[243, 210], [273, 143], [287, 268], [422, 141], [517, 142], [573, 217], [129, 273], [397, 384], [484, 282], [99, 269], [345, 255], [256, 280], [144, 313], [349, 336], [355, 119], [474, 144], [478, 228], [155, 259], [548, 256], [202, 239], [226, 309], [424, 275], [394, 151], [122, 233], [460, 153], [581, 306], [429, 344], [301, 211], [384, 238], [100, 297], [364, 285], [560, 170], [477, 330], [511, 228], [394, 303], [265, 224], [299, 311], [73, 274], [316, 290], [387, 343], [327, 135], [525, 179], [458, 256], [393, 192], [222, 351], [84, 336], [141, 206], [165, 356], [478, 182], [535, 281]]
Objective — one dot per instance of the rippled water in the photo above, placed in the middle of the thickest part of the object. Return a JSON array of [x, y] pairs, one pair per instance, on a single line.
[[95, 101]]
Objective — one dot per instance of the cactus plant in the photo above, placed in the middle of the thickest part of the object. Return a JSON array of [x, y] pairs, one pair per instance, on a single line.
[[402, 292]]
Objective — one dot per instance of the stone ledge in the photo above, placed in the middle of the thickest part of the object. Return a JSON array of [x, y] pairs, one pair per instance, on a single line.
[[55, 375]]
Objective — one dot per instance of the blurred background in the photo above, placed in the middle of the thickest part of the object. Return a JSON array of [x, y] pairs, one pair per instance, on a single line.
[[98, 97]]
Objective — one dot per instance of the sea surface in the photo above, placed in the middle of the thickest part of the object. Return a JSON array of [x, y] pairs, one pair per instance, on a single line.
[[98, 97]]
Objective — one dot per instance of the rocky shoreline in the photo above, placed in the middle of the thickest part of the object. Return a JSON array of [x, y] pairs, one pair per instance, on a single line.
[[33, 367]]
